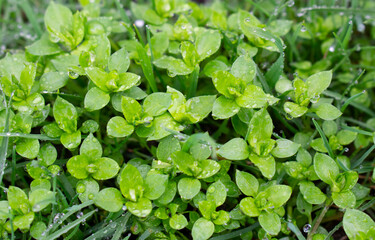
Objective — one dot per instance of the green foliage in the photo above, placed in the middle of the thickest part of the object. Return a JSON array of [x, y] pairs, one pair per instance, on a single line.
[[172, 120]]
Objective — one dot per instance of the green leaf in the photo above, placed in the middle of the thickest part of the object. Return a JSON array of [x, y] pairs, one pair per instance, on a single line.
[[207, 208], [328, 112], [188, 187], [77, 166], [209, 168], [131, 183], [261, 127], [198, 108], [37, 229], [345, 137], [52, 81], [311, 193], [71, 140], [344, 199], [248, 207], [207, 44], [110, 199], [28, 147], [202, 229], [173, 65], [126, 81], [266, 165], [278, 195], [235, 149], [131, 109], [65, 115], [40, 199], [178, 221], [347, 180], [155, 185], [317, 83], [326, 168], [166, 147], [96, 99], [43, 47], [58, 20], [254, 97], [224, 108], [185, 163], [270, 222], [156, 104], [119, 61], [17, 200], [294, 109], [357, 224], [189, 55], [91, 147], [247, 183], [87, 189], [98, 76], [285, 148], [119, 127], [23, 222], [244, 68], [47, 154], [227, 84], [106, 168], [217, 193], [169, 193], [142, 208], [213, 66]]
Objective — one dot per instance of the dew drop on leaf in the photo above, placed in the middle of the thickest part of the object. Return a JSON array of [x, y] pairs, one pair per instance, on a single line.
[[306, 228]]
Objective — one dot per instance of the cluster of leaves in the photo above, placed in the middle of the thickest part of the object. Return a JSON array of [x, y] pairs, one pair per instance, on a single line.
[[169, 130]]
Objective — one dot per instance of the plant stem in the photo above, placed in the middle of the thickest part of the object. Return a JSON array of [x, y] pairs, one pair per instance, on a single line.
[[318, 221]]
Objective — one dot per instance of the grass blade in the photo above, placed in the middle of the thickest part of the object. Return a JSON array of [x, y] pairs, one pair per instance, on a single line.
[[296, 231], [30, 135], [193, 82], [363, 157], [147, 67], [69, 226], [5, 140], [237, 233], [25, 5]]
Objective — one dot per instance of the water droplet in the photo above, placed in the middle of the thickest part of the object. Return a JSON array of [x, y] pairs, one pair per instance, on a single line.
[[290, 3], [248, 20], [79, 215], [331, 48], [139, 23], [301, 13], [346, 149], [303, 28], [306, 228]]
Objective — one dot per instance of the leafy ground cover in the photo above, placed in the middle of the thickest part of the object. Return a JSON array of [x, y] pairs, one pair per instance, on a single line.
[[177, 120]]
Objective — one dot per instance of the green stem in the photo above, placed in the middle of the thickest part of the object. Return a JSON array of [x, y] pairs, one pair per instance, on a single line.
[[318, 221]]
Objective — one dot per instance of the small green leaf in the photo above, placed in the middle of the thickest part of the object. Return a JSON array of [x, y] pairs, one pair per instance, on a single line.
[[345, 137], [235, 149], [188, 187], [28, 147], [169, 193], [278, 195], [47, 154], [217, 193], [119, 127], [326, 168], [52, 81], [328, 112], [131, 183], [227, 84], [294, 109], [266, 165], [197, 108], [202, 229], [87, 189], [178, 221], [77, 166], [285, 148], [71, 140], [247, 183], [23, 222], [209, 168], [17, 200], [131, 109], [40, 199], [224, 108], [254, 97], [65, 115], [142, 208], [270, 222], [207, 44], [98, 77], [317, 83], [43, 47], [311, 193], [344, 199], [106, 168], [119, 61], [155, 185], [244, 68], [110, 199], [156, 104], [166, 147], [185, 163], [249, 207], [91, 147], [358, 225], [173, 65], [96, 99]]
